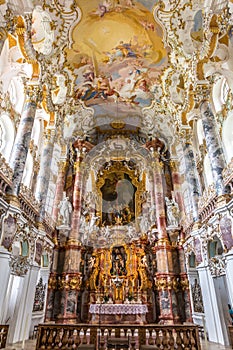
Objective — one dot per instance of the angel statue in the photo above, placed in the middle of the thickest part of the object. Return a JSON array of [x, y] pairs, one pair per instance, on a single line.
[[173, 212], [65, 210]]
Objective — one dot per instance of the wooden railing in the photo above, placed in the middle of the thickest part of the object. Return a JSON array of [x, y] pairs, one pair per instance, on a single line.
[[57, 336], [3, 335]]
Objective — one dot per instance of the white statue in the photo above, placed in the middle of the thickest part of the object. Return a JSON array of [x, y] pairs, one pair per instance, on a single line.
[[91, 262], [93, 221], [59, 93], [65, 211], [144, 261], [144, 224], [82, 223], [107, 232], [173, 212], [151, 237], [130, 232], [152, 214]]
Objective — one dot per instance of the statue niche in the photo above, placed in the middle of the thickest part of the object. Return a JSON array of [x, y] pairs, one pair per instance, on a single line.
[[119, 192], [118, 261]]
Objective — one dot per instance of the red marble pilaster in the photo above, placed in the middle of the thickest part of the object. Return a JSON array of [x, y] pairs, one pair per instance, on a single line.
[[184, 283], [165, 279], [59, 188], [77, 196], [176, 180], [159, 197]]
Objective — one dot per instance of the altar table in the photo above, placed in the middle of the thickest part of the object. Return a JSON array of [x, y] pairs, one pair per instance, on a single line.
[[118, 313]]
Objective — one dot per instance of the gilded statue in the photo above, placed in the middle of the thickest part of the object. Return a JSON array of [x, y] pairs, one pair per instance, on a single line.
[[94, 274]]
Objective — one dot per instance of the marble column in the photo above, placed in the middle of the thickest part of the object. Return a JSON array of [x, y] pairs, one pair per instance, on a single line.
[[159, 196], [23, 137], [165, 280], [176, 180], [63, 167], [44, 173], [53, 287], [77, 198], [192, 175], [184, 301], [70, 280], [214, 148]]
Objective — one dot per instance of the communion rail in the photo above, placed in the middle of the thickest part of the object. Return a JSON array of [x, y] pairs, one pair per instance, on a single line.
[[60, 336], [3, 335]]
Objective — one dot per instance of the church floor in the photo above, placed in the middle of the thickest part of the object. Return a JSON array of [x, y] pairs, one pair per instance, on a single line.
[[30, 345]]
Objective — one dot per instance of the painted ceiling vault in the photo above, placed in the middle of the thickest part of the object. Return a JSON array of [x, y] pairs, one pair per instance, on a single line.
[[118, 66]]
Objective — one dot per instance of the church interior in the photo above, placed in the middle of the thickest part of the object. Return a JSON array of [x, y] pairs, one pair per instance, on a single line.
[[116, 171]]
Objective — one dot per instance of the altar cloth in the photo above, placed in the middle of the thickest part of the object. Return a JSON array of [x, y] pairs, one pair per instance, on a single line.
[[111, 309]]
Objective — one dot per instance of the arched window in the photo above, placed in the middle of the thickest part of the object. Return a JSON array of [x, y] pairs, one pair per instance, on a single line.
[[24, 248], [7, 135], [192, 260], [208, 171], [227, 137], [215, 247], [28, 171], [220, 94], [200, 132], [224, 91]]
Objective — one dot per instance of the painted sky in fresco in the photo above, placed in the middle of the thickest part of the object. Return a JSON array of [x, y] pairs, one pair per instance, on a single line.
[[117, 54]]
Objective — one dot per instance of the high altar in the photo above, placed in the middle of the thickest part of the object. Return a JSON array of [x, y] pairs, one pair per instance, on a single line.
[[119, 277], [122, 261], [119, 285]]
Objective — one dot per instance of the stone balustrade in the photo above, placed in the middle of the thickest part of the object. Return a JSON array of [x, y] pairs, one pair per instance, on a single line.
[[60, 336]]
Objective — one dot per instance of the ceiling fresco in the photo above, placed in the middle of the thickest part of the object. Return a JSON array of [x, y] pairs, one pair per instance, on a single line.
[[117, 56], [118, 66]]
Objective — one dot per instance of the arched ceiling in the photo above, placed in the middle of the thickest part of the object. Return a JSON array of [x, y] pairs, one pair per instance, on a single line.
[[111, 67]]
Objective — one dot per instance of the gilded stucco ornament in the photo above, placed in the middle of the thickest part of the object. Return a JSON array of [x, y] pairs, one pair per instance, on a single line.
[[28, 195], [5, 168], [64, 15], [193, 36], [42, 31], [217, 266], [19, 265], [118, 148], [207, 196], [156, 123], [80, 123]]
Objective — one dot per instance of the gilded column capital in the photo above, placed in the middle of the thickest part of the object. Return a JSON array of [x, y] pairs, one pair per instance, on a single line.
[[77, 165], [156, 164], [33, 148], [174, 164], [188, 136], [32, 92], [63, 165], [49, 134], [202, 92]]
